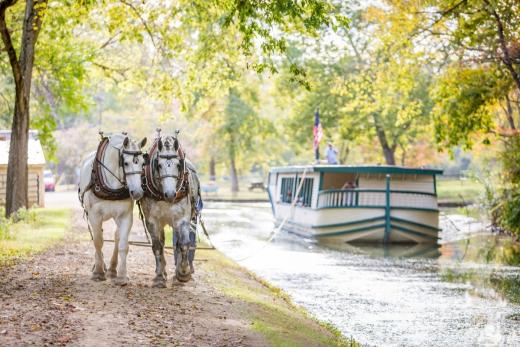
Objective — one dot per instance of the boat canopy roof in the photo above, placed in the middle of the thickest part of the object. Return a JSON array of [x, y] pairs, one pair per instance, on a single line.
[[378, 169]]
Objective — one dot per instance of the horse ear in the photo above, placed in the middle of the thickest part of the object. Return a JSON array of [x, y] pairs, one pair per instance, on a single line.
[[176, 145], [126, 141], [160, 145], [142, 143]]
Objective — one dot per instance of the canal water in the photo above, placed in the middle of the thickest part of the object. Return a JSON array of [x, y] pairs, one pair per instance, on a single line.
[[464, 292]]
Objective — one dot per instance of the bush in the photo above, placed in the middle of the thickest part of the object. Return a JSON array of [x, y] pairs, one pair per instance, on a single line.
[[505, 203], [22, 216], [25, 216], [5, 225]]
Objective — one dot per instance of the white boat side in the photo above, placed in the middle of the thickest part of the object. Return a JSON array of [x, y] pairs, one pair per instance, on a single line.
[[340, 203]]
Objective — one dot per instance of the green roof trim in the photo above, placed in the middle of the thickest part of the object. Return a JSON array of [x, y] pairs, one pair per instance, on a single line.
[[378, 169]]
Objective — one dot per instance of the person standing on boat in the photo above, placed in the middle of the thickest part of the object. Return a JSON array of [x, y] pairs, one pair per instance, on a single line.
[[332, 154]]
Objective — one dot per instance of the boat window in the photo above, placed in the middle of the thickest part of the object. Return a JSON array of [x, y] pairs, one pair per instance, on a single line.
[[305, 195], [286, 194]]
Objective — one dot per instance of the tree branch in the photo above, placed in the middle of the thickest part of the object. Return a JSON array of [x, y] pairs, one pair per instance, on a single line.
[[506, 59], [442, 15], [143, 21], [8, 43]]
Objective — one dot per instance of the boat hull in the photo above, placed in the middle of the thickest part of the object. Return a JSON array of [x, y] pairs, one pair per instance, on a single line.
[[366, 225]]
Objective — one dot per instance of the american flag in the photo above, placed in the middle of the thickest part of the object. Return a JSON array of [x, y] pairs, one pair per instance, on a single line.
[[317, 131]]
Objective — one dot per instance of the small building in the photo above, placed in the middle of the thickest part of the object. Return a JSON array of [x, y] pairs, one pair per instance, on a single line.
[[36, 164]]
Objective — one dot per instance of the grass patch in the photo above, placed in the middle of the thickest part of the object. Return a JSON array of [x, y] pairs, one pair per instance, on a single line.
[[270, 310], [33, 234], [458, 190], [508, 287]]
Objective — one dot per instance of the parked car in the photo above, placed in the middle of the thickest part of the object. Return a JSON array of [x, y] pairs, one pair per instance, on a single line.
[[48, 180]]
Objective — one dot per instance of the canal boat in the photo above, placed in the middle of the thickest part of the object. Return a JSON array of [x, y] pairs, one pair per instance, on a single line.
[[339, 203]]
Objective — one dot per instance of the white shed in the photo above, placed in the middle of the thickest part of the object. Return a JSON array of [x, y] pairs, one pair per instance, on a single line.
[[36, 163]]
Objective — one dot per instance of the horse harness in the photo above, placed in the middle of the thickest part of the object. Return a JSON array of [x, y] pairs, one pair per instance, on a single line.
[[151, 189], [97, 182]]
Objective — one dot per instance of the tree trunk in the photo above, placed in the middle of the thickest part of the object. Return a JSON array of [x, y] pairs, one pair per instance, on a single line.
[[403, 156], [389, 154], [233, 172], [344, 152], [506, 58], [212, 169], [509, 113], [388, 151], [17, 175]]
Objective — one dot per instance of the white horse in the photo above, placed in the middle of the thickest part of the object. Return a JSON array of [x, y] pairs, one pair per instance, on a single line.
[[121, 167], [171, 205]]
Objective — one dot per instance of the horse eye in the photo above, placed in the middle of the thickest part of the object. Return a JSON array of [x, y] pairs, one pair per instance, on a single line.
[[126, 164]]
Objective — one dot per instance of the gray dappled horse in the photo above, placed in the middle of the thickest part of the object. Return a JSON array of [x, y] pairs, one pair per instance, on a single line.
[[171, 196], [119, 170]]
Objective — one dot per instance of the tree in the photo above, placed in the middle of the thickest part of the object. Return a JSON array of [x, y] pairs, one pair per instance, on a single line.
[[22, 68], [181, 63], [483, 69], [377, 89]]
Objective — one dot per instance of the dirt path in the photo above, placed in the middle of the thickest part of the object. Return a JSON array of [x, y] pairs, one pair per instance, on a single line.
[[50, 300]]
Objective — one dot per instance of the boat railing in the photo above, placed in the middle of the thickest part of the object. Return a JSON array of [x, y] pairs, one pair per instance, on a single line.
[[353, 197]]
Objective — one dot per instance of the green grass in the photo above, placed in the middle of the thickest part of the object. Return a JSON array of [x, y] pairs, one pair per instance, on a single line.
[[458, 190], [30, 237], [270, 310]]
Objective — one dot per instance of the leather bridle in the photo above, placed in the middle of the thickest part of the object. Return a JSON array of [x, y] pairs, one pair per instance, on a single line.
[[169, 158], [135, 154], [121, 164]]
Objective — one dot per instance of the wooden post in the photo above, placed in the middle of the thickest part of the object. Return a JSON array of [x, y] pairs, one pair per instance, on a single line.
[[387, 211]]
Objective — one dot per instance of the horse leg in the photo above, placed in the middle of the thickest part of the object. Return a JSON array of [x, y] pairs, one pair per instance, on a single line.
[[182, 268], [98, 271], [158, 251], [163, 258], [124, 223], [112, 270]]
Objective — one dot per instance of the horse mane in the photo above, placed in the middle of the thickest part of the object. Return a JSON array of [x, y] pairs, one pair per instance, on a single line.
[[169, 143]]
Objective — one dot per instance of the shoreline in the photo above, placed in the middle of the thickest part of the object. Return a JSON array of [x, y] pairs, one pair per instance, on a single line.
[[273, 313], [224, 303]]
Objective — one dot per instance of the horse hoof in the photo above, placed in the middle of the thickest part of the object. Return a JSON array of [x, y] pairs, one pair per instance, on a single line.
[[121, 281], [112, 273], [182, 278], [159, 284], [98, 276]]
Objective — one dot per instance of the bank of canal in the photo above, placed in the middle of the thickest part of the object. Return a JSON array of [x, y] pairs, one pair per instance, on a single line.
[[47, 297]]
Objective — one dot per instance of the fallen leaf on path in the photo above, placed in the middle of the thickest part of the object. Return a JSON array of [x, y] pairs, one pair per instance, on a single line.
[[36, 327]]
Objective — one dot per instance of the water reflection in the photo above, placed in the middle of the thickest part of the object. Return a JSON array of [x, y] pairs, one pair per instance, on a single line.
[[463, 292], [395, 251]]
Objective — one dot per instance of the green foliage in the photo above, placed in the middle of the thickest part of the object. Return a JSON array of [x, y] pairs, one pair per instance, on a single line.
[[464, 98], [376, 89], [181, 50], [506, 211]]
